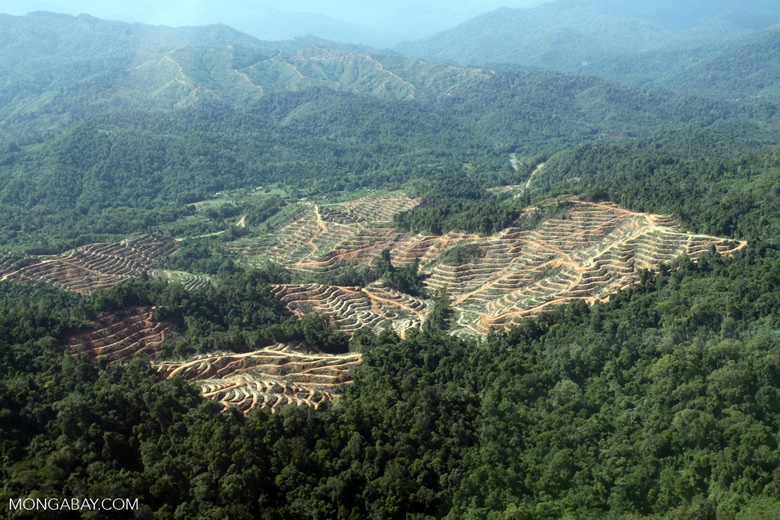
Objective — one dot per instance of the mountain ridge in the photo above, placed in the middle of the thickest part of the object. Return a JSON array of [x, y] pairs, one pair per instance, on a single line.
[[604, 29]]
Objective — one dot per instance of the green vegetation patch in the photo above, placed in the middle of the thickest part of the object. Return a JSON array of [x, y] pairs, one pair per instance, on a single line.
[[461, 254]]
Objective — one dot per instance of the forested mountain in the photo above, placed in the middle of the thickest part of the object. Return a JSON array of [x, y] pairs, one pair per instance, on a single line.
[[199, 196], [159, 119], [661, 403], [81, 69], [744, 68], [567, 35], [50, 36], [749, 70], [382, 22]]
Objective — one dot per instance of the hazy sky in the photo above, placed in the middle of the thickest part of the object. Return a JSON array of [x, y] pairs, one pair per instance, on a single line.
[[390, 19]]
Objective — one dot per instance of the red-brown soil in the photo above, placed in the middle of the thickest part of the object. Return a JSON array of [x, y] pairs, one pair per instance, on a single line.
[[120, 335], [592, 251], [352, 308], [93, 266], [267, 378]]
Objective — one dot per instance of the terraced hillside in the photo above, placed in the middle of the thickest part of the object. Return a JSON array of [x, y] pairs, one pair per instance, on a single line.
[[90, 267], [580, 251], [595, 250], [266, 378], [588, 252], [352, 308], [120, 336], [190, 281], [324, 237]]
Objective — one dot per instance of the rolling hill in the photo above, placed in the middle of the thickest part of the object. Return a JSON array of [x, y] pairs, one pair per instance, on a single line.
[[567, 35], [742, 69], [144, 124], [495, 292]]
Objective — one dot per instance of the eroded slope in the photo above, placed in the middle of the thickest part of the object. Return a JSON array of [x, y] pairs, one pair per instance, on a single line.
[[266, 378], [90, 267], [587, 252], [121, 335]]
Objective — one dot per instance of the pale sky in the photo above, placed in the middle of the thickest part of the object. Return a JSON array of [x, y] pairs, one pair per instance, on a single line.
[[389, 19]]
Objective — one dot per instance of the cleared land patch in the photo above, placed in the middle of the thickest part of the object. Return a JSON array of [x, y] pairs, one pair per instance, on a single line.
[[90, 267], [352, 308], [190, 281], [325, 237], [120, 335], [266, 378], [586, 252]]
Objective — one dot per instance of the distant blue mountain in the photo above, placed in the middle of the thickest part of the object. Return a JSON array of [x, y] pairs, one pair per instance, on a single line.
[[568, 35]]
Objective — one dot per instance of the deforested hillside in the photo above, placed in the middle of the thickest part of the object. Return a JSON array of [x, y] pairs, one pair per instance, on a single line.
[[551, 255], [266, 378], [119, 336], [90, 267], [310, 281], [113, 154], [665, 381]]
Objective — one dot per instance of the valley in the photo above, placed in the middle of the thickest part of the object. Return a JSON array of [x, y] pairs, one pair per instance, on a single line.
[[554, 254], [313, 279]]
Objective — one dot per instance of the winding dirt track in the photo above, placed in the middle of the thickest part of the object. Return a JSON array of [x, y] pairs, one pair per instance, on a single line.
[[591, 251], [531, 178]]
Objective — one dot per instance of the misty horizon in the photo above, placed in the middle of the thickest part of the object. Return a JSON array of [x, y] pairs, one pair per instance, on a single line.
[[376, 23]]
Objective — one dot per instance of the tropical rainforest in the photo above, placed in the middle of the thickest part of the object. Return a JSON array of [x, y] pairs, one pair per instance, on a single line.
[[661, 401]]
